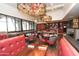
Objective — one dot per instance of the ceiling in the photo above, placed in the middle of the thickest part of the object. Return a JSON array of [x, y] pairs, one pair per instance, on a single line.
[[74, 12], [12, 4], [54, 7], [47, 4]]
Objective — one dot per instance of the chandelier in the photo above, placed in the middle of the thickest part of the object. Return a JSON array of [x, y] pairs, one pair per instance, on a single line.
[[35, 9]]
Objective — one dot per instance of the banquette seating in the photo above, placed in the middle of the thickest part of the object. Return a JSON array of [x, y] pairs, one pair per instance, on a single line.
[[12, 46], [47, 41], [66, 49], [51, 43], [3, 36]]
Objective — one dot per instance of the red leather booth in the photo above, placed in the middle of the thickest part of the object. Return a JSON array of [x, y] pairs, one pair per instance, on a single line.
[[12, 46], [47, 41], [3, 36], [66, 49]]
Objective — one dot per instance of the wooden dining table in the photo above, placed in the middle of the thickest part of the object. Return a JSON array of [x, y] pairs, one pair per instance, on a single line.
[[33, 51]]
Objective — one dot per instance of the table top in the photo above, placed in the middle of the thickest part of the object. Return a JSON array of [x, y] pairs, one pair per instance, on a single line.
[[37, 52], [34, 51]]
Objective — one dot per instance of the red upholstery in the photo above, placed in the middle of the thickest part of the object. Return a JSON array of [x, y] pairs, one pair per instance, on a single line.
[[12, 46], [31, 37], [42, 40], [47, 41], [3, 36], [35, 44], [50, 43], [66, 49]]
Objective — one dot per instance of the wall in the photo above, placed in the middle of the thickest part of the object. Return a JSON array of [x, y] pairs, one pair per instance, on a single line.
[[40, 26], [77, 34], [70, 31]]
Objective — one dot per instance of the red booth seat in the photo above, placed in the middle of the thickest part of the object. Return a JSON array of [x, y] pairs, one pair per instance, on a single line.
[[66, 49], [47, 41], [12, 46], [50, 42], [42, 40], [3, 36]]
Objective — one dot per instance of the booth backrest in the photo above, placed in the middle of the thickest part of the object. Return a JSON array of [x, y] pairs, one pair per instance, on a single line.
[[12, 46], [3, 36], [66, 49]]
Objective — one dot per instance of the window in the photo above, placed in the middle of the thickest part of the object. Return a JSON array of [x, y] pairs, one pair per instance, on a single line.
[[8, 23], [27, 25], [33, 25], [3, 27], [11, 23], [24, 25], [18, 24], [30, 25]]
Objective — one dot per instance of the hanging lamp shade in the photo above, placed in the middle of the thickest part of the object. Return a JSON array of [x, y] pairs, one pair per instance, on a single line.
[[35, 9], [31, 12], [41, 5], [40, 12], [34, 6], [47, 18]]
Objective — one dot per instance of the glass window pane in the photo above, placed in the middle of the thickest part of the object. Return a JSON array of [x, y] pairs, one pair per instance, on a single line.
[[27, 23], [18, 25], [24, 25], [34, 26], [11, 24], [30, 25], [3, 27]]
